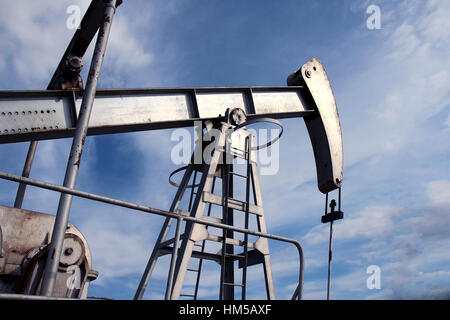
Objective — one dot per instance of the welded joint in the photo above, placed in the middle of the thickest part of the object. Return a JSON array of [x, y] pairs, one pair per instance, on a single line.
[[199, 233], [262, 245]]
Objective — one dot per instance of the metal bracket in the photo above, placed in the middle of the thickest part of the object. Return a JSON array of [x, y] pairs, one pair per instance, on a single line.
[[262, 245], [334, 214], [254, 257]]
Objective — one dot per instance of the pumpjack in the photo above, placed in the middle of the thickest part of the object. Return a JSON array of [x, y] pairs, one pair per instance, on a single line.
[[45, 256]]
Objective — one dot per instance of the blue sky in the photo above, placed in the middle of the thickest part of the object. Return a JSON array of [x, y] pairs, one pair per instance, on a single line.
[[392, 90]]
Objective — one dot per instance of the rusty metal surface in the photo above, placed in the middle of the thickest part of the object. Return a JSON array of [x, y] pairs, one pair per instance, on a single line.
[[24, 230], [25, 244]]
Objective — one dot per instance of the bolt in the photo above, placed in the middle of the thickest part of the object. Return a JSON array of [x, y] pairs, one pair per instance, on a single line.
[[332, 205], [68, 251], [74, 64], [308, 73]]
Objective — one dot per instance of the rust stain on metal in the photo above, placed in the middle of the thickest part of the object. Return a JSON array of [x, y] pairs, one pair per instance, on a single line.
[[77, 163]]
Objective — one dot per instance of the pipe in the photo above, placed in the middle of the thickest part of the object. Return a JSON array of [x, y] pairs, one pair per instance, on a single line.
[[62, 216], [25, 173], [174, 259]]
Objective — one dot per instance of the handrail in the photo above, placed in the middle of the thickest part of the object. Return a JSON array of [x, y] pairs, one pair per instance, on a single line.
[[11, 177]]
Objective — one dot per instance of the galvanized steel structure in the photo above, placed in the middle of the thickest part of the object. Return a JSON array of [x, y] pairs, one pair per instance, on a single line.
[[67, 109]]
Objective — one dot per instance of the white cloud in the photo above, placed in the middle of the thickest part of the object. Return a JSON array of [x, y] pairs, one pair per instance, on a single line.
[[404, 82], [372, 222], [409, 244], [439, 191], [2, 63], [31, 38], [35, 36], [435, 25], [126, 49]]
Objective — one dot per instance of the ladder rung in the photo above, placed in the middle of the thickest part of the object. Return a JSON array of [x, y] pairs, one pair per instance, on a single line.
[[187, 295], [238, 174], [193, 270], [197, 245], [232, 203], [233, 284], [234, 255]]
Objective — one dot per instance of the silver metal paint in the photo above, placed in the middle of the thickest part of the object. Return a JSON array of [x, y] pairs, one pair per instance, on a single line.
[[49, 115], [62, 215], [324, 129]]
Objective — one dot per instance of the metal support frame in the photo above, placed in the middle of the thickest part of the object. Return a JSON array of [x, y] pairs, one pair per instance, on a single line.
[[62, 215], [226, 291], [248, 148], [222, 151], [174, 259]]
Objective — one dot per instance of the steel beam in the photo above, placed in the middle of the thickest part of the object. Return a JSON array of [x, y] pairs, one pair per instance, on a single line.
[[39, 115]]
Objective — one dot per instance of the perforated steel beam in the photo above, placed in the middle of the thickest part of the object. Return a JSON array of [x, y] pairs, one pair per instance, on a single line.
[[39, 115]]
